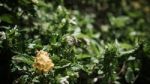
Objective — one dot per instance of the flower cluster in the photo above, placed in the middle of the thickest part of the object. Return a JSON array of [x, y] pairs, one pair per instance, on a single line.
[[42, 61]]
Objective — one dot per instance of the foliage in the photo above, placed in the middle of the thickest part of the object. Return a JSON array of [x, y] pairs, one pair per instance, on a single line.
[[106, 43]]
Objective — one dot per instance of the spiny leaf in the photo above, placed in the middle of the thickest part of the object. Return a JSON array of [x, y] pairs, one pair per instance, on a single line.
[[23, 59]]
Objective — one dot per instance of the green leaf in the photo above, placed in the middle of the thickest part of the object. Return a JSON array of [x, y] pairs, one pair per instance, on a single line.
[[129, 76], [7, 18], [23, 59], [120, 21], [82, 56]]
